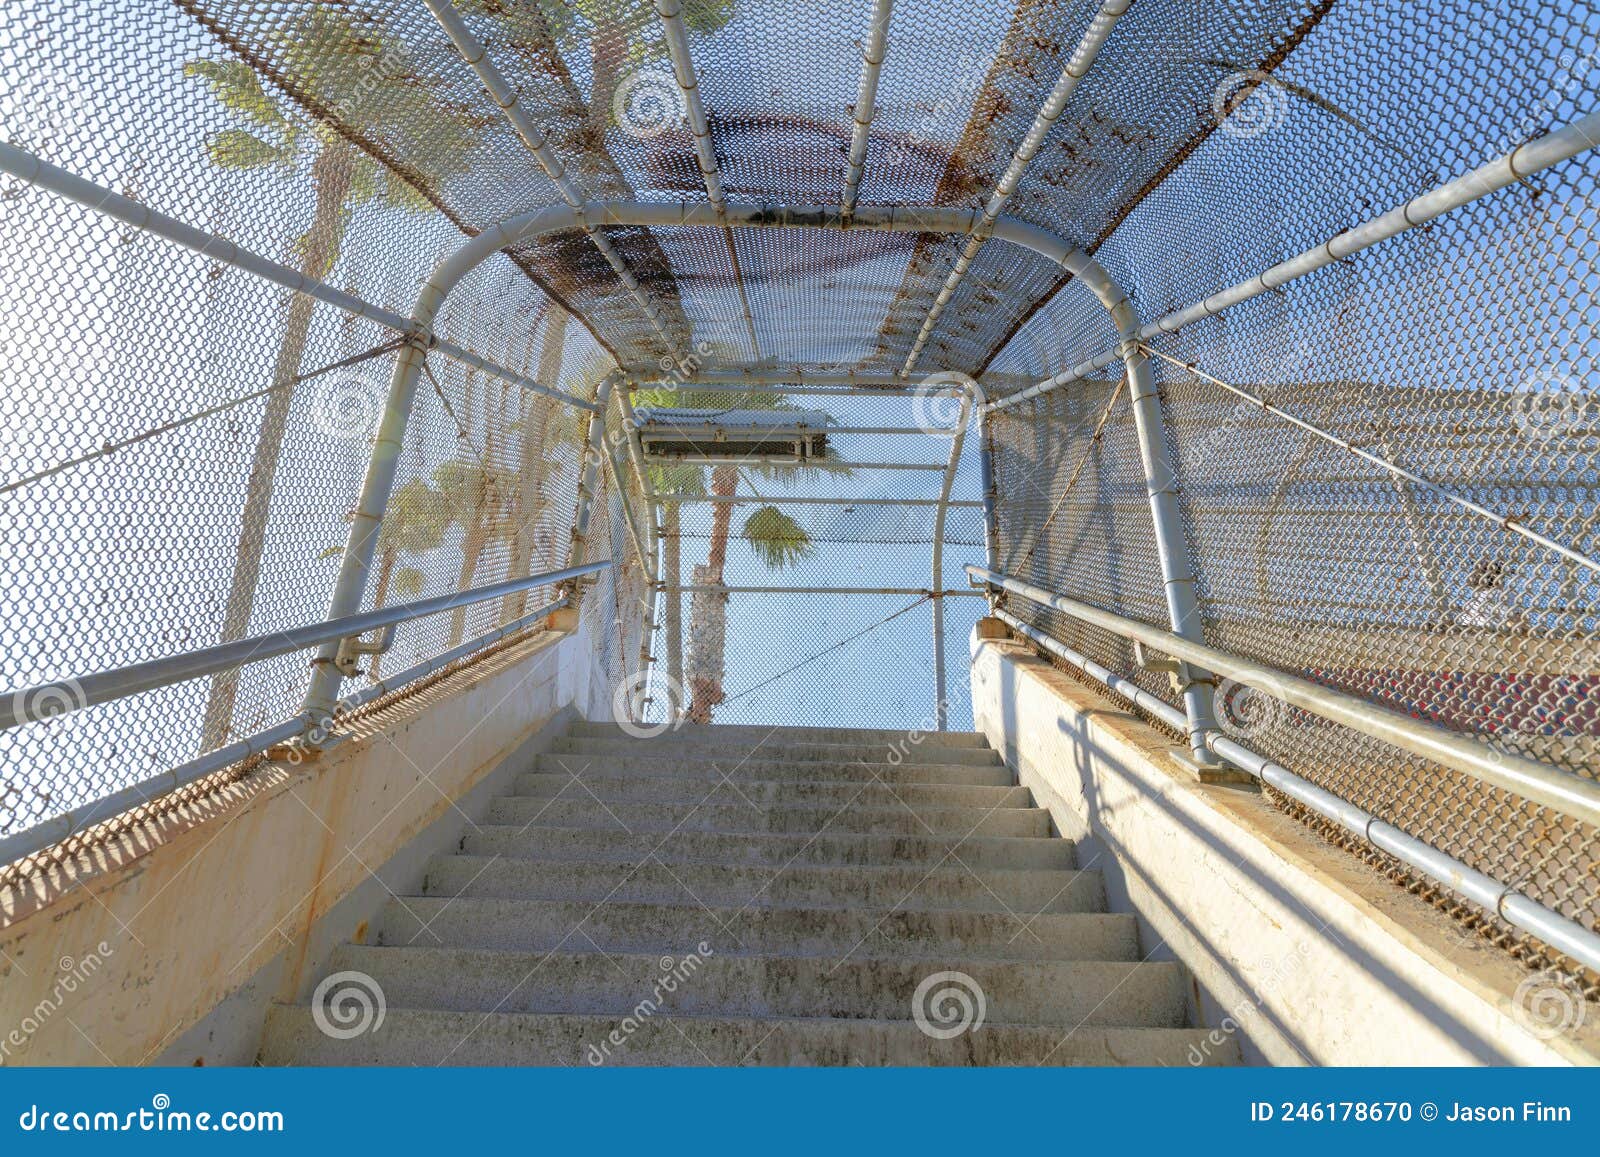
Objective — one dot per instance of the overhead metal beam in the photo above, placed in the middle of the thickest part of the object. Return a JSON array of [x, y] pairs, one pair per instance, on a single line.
[[866, 106], [538, 143], [1055, 104], [705, 150]]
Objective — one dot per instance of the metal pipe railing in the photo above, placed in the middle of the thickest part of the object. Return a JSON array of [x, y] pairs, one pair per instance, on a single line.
[[1558, 931], [120, 682], [1537, 782], [1517, 165], [41, 174], [52, 831], [807, 500], [969, 396], [710, 589], [705, 149], [866, 106]]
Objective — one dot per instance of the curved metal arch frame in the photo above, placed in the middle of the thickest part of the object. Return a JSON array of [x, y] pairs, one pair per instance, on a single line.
[[1178, 578]]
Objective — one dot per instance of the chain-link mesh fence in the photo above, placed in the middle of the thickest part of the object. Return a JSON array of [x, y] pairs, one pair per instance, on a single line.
[[184, 442], [1454, 351]]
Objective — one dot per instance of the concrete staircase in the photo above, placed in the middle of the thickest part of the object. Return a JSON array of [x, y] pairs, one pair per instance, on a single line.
[[749, 895]]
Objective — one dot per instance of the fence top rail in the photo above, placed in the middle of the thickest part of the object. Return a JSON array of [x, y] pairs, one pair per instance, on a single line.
[[47, 700], [1531, 779]]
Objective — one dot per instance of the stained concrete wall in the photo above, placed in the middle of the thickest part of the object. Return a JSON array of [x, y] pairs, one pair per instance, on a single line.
[[168, 945], [1298, 948]]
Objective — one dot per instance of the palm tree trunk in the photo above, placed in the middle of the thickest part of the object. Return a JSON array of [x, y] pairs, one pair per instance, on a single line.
[[380, 595], [533, 466], [709, 609], [672, 563], [473, 540], [331, 174]]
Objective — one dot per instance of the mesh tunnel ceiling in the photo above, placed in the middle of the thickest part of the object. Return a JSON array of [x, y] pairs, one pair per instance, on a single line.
[[960, 86]]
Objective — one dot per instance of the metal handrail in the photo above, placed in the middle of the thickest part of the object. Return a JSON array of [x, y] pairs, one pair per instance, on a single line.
[[52, 831], [76, 693], [1552, 927], [1531, 779]]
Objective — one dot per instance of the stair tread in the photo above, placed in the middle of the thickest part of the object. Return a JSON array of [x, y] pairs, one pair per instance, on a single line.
[[735, 732], [579, 810], [752, 848], [955, 888], [430, 1036], [757, 896], [817, 792], [886, 752], [613, 983], [543, 925], [803, 771]]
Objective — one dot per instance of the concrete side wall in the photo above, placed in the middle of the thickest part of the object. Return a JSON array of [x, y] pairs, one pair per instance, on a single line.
[[170, 944], [1297, 947]]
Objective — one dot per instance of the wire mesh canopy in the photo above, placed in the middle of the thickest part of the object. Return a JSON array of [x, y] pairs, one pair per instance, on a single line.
[[1278, 315]]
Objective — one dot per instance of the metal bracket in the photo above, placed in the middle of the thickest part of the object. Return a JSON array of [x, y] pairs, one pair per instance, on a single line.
[[1180, 675], [351, 650]]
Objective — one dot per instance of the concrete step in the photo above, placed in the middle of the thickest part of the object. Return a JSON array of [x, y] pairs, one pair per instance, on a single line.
[[833, 933], [663, 789], [417, 1037], [690, 847], [733, 734], [583, 811], [739, 770], [947, 888], [787, 752], [696, 980]]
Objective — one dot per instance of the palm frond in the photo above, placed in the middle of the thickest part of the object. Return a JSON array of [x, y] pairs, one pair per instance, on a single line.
[[778, 540]]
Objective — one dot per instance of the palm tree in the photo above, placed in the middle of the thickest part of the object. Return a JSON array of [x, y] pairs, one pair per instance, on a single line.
[[353, 69], [688, 481], [775, 538], [543, 423], [416, 521]]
